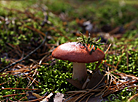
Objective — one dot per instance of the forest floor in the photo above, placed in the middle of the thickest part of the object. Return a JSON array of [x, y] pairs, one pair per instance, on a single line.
[[31, 30]]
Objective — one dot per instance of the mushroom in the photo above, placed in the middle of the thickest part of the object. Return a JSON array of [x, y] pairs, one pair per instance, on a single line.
[[79, 55]]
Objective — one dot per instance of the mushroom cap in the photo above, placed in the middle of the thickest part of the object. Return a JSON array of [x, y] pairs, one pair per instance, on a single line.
[[76, 52]]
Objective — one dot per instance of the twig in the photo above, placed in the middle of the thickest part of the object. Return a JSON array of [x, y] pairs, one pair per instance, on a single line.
[[35, 100], [89, 97], [90, 94], [68, 98], [107, 49], [35, 30], [47, 98], [5, 82], [18, 89], [33, 80], [132, 97], [25, 56], [13, 95]]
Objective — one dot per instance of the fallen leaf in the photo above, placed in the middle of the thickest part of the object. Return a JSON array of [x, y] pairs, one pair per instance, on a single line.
[[31, 96], [95, 79], [59, 97], [75, 83]]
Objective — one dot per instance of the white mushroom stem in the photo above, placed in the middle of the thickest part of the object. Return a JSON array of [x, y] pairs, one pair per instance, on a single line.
[[79, 71]]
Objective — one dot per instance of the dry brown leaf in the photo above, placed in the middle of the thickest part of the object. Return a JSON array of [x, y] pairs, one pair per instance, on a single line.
[[95, 79], [75, 83], [59, 97]]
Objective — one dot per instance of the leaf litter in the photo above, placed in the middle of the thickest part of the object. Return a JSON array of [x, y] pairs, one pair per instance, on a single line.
[[95, 88]]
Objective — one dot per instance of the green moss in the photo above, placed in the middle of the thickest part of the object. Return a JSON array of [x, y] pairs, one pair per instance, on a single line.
[[53, 78]]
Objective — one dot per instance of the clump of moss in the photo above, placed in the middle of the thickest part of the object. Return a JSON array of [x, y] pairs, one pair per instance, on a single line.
[[54, 77]]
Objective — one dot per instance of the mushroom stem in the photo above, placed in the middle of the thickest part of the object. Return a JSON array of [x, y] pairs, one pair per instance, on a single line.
[[79, 71]]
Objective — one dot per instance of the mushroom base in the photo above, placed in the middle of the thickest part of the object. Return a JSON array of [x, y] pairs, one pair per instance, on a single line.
[[79, 71]]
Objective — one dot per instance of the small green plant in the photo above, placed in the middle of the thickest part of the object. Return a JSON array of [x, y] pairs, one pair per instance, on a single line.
[[88, 41], [4, 61]]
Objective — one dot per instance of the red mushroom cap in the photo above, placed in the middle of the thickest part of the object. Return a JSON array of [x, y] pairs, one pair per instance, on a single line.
[[76, 52]]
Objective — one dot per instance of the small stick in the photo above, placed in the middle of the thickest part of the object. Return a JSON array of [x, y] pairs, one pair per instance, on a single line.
[[5, 82], [35, 100], [132, 97], [32, 82], [107, 48], [18, 89], [13, 95], [47, 97]]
